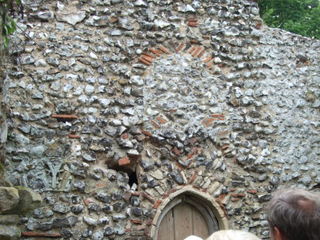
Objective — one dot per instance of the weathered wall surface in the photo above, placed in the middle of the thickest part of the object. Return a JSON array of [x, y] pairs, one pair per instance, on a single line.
[[173, 93], [3, 124]]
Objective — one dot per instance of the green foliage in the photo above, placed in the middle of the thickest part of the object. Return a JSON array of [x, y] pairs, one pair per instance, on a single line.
[[7, 23], [297, 16]]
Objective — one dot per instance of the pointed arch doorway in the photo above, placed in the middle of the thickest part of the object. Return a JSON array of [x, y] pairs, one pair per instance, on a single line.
[[188, 212]]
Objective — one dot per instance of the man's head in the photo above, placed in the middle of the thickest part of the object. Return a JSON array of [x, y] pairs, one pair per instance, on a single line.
[[294, 214]]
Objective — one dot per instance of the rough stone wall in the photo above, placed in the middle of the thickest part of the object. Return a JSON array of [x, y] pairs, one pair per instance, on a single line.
[[15, 202], [115, 104]]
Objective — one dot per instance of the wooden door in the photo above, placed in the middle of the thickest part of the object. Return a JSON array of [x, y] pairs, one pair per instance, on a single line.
[[181, 221]]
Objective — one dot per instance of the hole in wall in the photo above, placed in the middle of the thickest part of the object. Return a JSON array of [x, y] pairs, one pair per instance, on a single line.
[[133, 179], [131, 171]]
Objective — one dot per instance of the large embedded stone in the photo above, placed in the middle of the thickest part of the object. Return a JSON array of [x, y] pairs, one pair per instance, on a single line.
[[9, 219], [9, 232], [65, 222], [29, 199], [71, 18], [9, 199]]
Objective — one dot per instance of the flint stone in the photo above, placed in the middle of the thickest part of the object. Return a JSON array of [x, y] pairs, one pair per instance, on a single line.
[[264, 198], [137, 211], [141, 3], [45, 15], [104, 220], [89, 89], [103, 197], [133, 152], [161, 24], [306, 180], [9, 232], [107, 208], [98, 235], [3, 132], [187, 8], [108, 231], [90, 221], [105, 102], [44, 226], [79, 185], [135, 201], [29, 199], [65, 222], [118, 217], [86, 233], [116, 32], [60, 208], [177, 177], [21, 139], [53, 61], [27, 60], [32, 224], [119, 230], [37, 150], [88, 158], [94, 207], [37, 95], [9, 199], [71, 18], [77, 209], [66, 234], [147, 164], [137, 80], [42, 213]]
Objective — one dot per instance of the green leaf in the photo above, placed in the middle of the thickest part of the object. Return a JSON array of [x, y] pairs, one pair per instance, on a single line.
[[13, 26], [298, 16], [5, 42]]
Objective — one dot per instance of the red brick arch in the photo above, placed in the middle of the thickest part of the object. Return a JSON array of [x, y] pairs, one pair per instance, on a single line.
[[197, 51]]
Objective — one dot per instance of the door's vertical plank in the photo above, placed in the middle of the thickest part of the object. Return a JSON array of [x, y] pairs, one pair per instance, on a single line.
[[200, 226], [166, 229], [182, 221]]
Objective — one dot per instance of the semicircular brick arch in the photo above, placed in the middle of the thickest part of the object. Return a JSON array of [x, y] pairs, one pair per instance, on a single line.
[[195, 50]]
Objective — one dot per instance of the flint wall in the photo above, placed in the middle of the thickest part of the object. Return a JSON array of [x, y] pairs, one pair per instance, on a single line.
[[115, 104]]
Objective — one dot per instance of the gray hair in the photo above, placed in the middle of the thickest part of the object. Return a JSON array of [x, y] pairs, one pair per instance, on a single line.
[[193, 237], [296, 213], [232, 235]]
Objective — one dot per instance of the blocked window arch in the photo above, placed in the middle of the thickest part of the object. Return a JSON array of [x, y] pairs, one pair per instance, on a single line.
[[202, 206]]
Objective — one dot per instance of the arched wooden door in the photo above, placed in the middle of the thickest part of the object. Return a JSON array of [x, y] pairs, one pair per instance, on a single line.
[[185, 217]]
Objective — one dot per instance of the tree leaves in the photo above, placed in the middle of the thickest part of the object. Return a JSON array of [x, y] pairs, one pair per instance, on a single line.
[[297, 16], [7, 23]]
